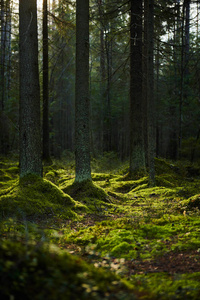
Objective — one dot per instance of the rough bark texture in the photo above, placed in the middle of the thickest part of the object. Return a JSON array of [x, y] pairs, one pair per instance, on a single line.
[[30, 132], [150, 94], [82, 104], [5, 54], [46, 151], [137, 154]]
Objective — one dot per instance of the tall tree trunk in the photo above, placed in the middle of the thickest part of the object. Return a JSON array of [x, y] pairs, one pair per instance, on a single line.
[[184, 65], [46, 149], [187, 35], [82, 103], [30, 131], [137, 154], [158, 127], [150, 93], [102, 74], [3, 47], [145, 82], [107, 98], [8, 49], [5, 55]]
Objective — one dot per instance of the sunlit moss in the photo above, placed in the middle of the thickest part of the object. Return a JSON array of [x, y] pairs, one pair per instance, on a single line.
[[33, 196], [122, 186], [86, 190], [166, 286], [103, 176], [140, 222]]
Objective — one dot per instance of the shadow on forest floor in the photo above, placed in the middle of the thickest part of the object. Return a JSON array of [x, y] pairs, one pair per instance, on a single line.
[[143, 243]]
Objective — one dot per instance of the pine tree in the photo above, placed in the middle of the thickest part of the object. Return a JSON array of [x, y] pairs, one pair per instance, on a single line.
[[30, 131], [82, 102], [137, 154]]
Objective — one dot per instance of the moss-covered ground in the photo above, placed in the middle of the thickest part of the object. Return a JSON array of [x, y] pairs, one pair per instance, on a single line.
[[114, 239]]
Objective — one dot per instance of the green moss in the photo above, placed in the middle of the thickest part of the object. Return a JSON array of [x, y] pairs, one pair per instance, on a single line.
[[141, 223], [193, 202], [121, 249], [167, 287], [51, 176], [135, 174], [103, 176], [163, 166], [13, 170], [86, 190], [127, 186], [2, 173], [33, 197], [165, 181], [39, 272], [127, 238], [5, 177]]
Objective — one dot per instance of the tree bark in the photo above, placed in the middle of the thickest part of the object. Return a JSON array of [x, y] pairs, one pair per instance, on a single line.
[[30, 131], [107, 98], [82, 102], [5, 50], [45, 123], [137, 154], [150, 93]]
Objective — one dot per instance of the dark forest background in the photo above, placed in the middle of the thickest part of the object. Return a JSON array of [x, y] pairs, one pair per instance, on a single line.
[[176, 77]]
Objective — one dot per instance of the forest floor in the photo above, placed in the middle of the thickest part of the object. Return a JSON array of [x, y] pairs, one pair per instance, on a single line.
[[137, 242]]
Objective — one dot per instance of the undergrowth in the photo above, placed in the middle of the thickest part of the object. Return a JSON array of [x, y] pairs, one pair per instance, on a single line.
[[106, 240]]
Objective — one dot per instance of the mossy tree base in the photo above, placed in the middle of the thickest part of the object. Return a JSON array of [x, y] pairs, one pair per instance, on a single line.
[[32, 197], [135, 175], [86, 190], [47, 162]]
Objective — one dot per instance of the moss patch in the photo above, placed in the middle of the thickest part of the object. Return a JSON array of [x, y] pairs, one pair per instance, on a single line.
[[136, 235], [193, 202], [85, 191], [39, 272], [34, 197]]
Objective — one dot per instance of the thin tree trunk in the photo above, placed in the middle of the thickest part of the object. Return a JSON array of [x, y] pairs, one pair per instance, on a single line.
[[102, 74], [187, 36], [8, 50], [107, 108], [145, 81]]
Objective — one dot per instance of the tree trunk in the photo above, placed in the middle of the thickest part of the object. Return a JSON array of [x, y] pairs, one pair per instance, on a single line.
[[46, 151], [5, 50], [107, 98], [30, 131], [137, 154], [3, 46], [150, 93], [82, 103], [102, 75]]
